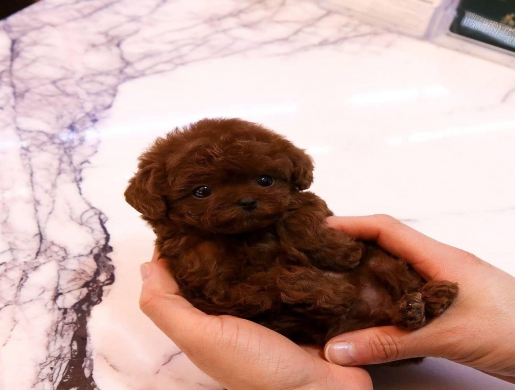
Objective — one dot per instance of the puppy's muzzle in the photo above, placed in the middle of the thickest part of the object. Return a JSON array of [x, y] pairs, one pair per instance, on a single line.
[[247, 204]]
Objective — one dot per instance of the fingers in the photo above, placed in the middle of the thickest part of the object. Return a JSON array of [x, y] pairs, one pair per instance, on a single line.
[[237, 353], [348, 378], [378, 345], [155, 255], [432, 259], [198, 335], [313, 350], [353, 377], [160, 303], [205, 339]]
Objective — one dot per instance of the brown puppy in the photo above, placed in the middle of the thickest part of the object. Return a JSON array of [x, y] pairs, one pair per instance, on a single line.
[[226, 200]]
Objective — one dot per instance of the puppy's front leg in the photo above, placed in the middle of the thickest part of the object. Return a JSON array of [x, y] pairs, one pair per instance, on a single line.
[[338, 252], [305, 235]]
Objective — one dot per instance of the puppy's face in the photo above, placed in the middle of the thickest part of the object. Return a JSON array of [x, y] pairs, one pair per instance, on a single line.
[[225, 176], [232, 202]]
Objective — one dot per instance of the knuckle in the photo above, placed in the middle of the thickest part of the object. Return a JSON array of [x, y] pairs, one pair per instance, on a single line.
[[467, 258], [385, 219], [147, 303], [470, 257], [385, 348]]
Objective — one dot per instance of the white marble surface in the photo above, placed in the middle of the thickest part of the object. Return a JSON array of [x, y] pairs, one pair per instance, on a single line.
[[395, 126]]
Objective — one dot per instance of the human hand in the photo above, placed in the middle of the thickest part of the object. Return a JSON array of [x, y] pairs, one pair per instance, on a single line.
[[478, 330], [239, 354]]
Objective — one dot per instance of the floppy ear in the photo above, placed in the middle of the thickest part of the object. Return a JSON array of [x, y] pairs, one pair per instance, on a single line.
[[302, 174], [145, 190]]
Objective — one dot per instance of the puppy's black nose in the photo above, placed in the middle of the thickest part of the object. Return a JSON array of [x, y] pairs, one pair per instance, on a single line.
[[247, 203]]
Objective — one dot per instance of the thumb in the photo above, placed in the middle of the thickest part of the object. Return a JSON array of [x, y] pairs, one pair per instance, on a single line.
[[377, 345], [206, 340]]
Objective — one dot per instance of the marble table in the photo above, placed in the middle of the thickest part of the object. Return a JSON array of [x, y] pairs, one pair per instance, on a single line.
[[395, 125]]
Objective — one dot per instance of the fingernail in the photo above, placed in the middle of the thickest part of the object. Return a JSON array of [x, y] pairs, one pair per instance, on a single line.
[[342, 354], [145, 270]]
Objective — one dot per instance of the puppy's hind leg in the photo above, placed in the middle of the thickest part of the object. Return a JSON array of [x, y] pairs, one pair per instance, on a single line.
[[438, 296], [415, 301], [395, 275], [408, 308], [409, 312], [415, 309]]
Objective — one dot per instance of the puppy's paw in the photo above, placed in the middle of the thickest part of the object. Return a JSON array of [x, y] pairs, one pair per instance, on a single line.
[[438, 296], [338, 258], [411, 311], [347, 257]]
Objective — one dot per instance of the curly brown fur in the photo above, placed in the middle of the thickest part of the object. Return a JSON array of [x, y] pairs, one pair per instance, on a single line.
[[265, 253]]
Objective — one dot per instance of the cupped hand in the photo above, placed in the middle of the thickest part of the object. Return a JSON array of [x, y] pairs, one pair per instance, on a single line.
[[478, 330], [239, 354]]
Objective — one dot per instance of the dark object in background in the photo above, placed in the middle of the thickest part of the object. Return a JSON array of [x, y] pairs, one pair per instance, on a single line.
[[9, 7], [226, 200], [488, 21]]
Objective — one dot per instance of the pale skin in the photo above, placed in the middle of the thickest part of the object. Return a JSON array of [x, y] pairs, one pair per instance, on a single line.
[[243, 355], [239, 354], [478, 330]]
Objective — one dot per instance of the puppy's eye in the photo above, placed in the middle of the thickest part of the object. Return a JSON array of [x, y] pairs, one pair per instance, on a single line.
[[202, 192], [265, 181]]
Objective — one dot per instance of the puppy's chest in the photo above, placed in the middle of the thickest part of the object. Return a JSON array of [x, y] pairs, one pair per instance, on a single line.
[[234, 258], [255, 249]]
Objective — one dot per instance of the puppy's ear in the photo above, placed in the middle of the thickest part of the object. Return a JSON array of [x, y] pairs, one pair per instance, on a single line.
[[302, 174], [145, 191]]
